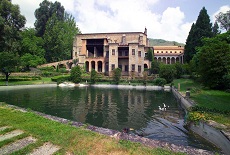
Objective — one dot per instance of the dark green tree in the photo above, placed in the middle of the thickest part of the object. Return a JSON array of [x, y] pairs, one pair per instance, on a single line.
[[167, 72], [224, 20], [214, 61], [8, 63], [201, 29], [58, 38], [11, 23], [93, 76], [29, 60], [179, 70], [75, 74], [117, 75], [155, 67], [215, 29], [31, 44], [45, 12], [150, 55]]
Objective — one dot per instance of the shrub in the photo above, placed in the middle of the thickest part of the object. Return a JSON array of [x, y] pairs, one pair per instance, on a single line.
[[167, 72], [117, 75], [93, 76], [76, 74], [159, 81], [60, 78]]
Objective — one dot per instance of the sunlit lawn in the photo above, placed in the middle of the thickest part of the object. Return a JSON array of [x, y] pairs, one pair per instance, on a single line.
[[215, 103], [44, 80]]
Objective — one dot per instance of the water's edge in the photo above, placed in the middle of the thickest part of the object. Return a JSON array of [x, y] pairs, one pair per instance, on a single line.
[[119, 135], [211, 134]]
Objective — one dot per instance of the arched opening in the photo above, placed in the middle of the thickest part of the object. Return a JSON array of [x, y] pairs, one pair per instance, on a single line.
[[99, 64], [168, 60], [61, 66], [155, 59], [87, 66], [173, 60], [159, 59], [92, 65], [70, 65], [164, 60], [145, 66], [177, 59]]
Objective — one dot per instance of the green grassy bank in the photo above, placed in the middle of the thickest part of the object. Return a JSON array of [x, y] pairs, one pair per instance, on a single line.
[[72, 140], [43, 80], [214, 104]]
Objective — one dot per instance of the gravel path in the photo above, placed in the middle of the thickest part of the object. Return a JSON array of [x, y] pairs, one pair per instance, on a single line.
[[15, 146]]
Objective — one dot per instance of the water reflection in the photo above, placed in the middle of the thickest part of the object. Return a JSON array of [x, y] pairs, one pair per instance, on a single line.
[[110, 108]]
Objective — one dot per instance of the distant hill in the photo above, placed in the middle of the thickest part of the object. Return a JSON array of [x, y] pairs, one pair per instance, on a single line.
[[161, 42]]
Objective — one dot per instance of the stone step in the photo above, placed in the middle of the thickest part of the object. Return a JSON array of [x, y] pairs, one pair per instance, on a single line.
[[4, 128], [15, 146], [10, 135], [46, 149]]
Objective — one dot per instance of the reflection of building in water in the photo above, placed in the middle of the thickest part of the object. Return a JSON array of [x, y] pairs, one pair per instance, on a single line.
[[120, 108]]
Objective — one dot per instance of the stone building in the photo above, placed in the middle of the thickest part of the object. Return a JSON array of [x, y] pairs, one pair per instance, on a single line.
[[107, 51], [169, 54], [104, 52]]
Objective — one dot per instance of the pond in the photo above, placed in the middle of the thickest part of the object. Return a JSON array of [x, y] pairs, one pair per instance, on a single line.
[[110, 108]]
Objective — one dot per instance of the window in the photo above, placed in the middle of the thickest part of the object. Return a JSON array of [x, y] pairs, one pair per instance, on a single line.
[[133, 51], [139, 69], [166, 51], [139, 53], [75, 53], [120, 66], [133, 67], [113, 66], [157, 51], [107, 54], [161, 51], [175, 52], [113, 51], [170, 51], [126, 53], [126, 68], [180, 51]]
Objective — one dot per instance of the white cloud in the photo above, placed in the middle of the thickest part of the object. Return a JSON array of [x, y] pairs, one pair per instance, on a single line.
[[222, 9], [94, 16]]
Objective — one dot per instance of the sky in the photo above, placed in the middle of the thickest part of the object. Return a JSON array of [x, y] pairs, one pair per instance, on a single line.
[[164, 19]]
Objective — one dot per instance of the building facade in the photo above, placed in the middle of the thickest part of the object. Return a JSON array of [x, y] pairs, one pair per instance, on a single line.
[[169, 54], [104, 52]]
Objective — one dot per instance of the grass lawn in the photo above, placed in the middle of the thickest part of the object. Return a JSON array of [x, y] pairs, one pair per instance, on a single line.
[[44, 80], [214, 103], [72, 140]]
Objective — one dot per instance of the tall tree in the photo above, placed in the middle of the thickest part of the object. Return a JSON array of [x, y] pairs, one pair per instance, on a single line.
[[11, 23], [201, 29], [190, 45], [224, 20], [58, 38], [45, 12], [215, 29]]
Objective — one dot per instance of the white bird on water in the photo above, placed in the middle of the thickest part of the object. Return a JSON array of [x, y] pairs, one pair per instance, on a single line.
[[161, 109], [164, 107]]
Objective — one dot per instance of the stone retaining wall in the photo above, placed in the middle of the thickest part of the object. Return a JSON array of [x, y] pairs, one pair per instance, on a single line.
[[211, 134]]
